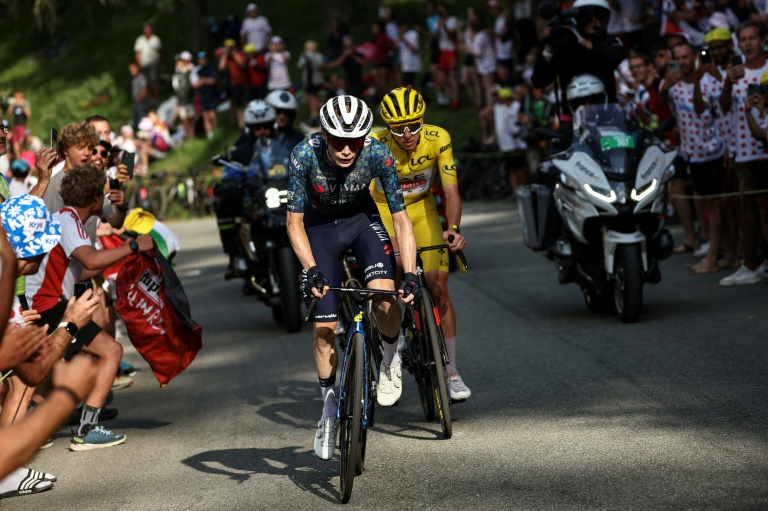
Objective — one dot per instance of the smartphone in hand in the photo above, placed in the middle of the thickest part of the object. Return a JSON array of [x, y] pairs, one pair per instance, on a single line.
[[673, 66], [80, 288], [114, 184], [753, 89], [128, 159], [706, 57], [54, 140]]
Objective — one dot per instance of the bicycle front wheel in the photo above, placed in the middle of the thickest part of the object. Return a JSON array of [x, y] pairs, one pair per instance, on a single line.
[[351, 417], [435, 360]]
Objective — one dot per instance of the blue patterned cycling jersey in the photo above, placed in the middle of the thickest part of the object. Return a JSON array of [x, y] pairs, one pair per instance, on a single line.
[[319, 188]]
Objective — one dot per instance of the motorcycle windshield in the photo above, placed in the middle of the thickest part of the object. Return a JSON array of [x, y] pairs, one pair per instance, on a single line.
[[603, 129]]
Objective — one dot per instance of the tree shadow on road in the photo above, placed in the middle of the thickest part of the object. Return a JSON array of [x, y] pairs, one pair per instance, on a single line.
[[304, 470]]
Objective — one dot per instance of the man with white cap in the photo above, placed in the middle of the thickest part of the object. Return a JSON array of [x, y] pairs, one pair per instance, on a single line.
[[185, 94], [255, 29]]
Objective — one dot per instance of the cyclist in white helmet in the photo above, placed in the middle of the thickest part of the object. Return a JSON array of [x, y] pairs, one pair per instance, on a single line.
[[330, 212]]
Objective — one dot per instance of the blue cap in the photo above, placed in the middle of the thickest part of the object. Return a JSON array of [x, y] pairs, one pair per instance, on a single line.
[[202, 55], [31, 228], [20, 166]]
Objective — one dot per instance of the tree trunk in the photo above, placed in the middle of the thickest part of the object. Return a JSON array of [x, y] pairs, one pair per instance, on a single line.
[[337, 9], [197, 34]]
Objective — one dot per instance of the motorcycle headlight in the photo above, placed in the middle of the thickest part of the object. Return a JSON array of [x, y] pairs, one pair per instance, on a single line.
[[637, 197], [607, 196], [275, 198]]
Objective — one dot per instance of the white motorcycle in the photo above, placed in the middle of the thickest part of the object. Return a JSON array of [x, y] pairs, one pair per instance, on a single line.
[[609, 190]]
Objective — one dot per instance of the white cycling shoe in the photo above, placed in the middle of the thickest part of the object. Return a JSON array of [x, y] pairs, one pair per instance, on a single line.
[[325, 438], [390, 384], [456, 388]]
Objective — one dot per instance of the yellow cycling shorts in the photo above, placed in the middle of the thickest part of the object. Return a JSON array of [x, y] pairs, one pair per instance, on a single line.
[[426, 228]]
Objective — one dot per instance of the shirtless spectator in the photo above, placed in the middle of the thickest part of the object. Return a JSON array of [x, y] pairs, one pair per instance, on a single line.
[[19, 108], [147, 52]]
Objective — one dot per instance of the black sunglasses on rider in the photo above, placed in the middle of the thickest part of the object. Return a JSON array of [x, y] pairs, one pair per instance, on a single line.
[[261, 126], [355, 144]]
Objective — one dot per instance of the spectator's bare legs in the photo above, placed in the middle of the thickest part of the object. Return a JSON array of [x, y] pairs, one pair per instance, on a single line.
[[438, 78], [684, 213], [381, 82], [210, 121], [702, 209], [108, 353], [729, 208], [16, 401], [749, 231], [471, 82], [517, 177], [709, 263], [453, 89], [487, 128]]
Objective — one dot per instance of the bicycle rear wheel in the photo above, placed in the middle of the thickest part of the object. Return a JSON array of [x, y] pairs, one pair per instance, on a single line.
[[351, 417], [435, 360], [417, 351]]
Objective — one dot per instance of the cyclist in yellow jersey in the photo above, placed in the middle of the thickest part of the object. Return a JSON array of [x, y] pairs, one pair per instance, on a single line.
[[422, 151]]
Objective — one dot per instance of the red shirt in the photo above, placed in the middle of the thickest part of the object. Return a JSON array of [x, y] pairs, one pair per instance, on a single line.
[[237, 75]]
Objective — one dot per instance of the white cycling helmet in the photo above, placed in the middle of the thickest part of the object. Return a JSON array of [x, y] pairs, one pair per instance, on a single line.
[[583, 89], [281, 99], [259, 111], [346, 117]]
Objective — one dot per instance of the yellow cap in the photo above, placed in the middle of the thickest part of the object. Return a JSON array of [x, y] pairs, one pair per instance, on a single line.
[[717, 34], [505, 93], [230, 42], [249, 48], [764, 78], [139, 221]]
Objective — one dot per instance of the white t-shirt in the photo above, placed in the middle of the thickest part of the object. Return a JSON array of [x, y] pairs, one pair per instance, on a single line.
[[256, 31], [410, 61], [503, 48], [277, 63], [58, 272], [444, 42], [148, 48], [508, 127], [745, 146], [699, 137], [714, 88], [485, 56], [21, 187]]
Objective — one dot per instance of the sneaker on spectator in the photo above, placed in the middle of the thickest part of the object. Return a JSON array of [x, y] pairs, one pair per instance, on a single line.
[[96, 438], [47, 444], [702, 250], [122, 382], [126, 369], [743, 276]]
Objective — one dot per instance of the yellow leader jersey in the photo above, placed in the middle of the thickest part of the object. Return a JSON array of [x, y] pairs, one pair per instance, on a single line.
[[418, 170]]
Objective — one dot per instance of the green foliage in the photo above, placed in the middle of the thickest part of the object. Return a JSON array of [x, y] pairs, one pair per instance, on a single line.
[[74, 102]]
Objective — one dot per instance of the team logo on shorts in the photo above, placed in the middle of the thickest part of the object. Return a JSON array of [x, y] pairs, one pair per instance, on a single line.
[[388, 249]]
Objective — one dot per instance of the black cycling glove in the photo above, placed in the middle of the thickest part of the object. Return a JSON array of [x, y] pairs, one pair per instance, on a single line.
[[313, 277], [410, 286]]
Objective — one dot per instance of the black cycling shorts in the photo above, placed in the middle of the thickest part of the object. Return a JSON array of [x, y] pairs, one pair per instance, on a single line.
[[362, 233]]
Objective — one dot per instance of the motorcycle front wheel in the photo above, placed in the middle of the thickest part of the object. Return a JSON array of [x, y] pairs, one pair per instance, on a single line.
[[628, 283], [289, 285]]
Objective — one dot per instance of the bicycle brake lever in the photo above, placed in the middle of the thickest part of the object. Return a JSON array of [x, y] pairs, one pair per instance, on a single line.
[[459, 253], [311, 310]]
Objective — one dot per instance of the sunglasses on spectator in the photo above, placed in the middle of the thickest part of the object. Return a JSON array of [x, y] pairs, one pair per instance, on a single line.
[[355, 144], [103, 152], [413, 127], [5, 128]]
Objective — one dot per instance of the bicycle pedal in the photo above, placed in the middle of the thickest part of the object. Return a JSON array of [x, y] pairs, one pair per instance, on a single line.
[[456, 401]]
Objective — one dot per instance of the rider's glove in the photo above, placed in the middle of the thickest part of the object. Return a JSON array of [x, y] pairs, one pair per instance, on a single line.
[[410, 286], [313, 277]]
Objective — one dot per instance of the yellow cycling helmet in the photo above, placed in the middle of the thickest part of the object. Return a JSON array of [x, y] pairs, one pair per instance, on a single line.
[[402, 105]]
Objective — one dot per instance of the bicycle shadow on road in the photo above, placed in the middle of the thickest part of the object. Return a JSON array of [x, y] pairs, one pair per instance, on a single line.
[[304, 470]]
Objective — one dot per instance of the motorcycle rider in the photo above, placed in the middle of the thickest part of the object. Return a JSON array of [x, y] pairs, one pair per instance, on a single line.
[[577, 43], [285, 106]]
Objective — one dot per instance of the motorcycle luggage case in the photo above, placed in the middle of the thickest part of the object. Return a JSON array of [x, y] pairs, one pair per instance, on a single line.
[[534, 205]]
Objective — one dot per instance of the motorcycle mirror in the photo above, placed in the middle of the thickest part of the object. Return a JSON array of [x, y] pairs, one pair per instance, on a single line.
[[547, 133], [665, 125], [217, 160]]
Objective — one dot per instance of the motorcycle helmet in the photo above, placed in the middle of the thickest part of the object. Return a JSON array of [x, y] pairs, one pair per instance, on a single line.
[[282, 100], [346, 117], [585, 89], [258, 112], [402, 105], [589, 9]]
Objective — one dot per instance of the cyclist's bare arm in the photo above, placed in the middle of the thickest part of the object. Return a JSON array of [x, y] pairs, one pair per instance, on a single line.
[[453, 214], [406, 240]]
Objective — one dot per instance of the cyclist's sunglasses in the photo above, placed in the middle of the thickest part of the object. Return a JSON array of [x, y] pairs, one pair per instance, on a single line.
[[103, 152], [413, 127], [355, 144]]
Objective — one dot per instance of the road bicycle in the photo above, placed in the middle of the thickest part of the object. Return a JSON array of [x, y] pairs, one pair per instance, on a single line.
[[358, 383], [425, 355]]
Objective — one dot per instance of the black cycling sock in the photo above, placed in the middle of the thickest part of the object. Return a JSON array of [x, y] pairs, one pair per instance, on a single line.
[[328, 382]]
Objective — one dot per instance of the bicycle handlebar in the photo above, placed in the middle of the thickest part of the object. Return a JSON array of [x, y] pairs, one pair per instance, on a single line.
[[439, 247], [352, 290]]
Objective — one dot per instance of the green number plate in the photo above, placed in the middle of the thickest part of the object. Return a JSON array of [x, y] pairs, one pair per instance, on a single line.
[[617, 142]]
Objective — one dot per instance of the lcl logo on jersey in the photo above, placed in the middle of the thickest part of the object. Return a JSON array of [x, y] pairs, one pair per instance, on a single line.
[[420, 161]]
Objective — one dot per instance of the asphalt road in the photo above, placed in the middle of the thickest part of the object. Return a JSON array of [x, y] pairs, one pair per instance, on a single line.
[[570, 409]]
